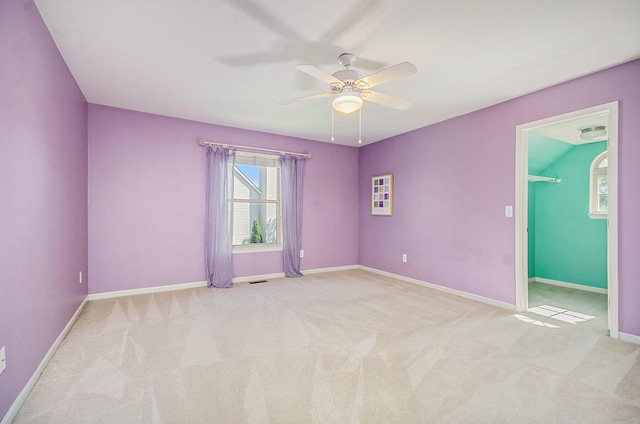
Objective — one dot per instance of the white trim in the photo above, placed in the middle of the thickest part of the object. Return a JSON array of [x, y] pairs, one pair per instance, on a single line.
[[521, 220], [594, 173], [471, 296], [332, 269], [612, 219], [568, 285], [146, 290], [521, 199], [22, 397], [629, 338], [196, 284], [598, 216], [238, 280], [272, 156], [249, 278], [256, 248]]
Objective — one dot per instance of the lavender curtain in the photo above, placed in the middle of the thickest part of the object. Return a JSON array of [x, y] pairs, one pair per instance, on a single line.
[[219, 217], [292, 169]]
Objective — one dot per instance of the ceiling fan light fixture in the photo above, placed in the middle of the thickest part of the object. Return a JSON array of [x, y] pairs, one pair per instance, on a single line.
[[592, 133], [347, 103]]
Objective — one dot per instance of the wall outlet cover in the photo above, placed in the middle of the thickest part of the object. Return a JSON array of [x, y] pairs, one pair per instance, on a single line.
[[3, 359]]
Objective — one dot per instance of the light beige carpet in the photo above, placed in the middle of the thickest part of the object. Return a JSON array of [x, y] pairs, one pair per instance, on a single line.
[[342, 347]]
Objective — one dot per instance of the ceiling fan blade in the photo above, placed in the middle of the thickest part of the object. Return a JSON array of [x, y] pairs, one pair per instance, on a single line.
[[299, 99], [266, 18], [386, 100], [355, 14], [394, 72], [320, 74]]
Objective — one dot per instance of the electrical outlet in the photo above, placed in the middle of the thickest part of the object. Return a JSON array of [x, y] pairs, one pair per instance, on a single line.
[[404, 257], [508, 211], [302, 253], [3, 360], [80, 277]]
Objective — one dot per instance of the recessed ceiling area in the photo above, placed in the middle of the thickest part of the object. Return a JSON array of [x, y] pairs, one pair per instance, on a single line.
[[549, 143], [569, 132], [230, 62]]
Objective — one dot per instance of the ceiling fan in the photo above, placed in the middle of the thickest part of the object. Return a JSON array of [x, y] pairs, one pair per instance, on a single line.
[[293, 45], [349, 88]]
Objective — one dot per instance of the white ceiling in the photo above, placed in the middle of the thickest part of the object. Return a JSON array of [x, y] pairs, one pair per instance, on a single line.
[[230, 62]]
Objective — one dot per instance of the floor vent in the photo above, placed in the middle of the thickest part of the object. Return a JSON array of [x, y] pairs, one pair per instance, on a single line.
[[257, 282]]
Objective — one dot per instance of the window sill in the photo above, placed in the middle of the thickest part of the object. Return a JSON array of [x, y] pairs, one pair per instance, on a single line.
[[598, 216], [257, 248]]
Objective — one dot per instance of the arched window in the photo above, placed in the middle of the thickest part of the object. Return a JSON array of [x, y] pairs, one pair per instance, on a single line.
[[598, 187]]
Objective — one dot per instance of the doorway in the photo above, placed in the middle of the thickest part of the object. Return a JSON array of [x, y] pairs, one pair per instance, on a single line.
[[604, 113]]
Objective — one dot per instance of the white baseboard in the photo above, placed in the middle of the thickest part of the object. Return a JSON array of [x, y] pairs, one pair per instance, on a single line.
[[629, 338], [332, 269], [146, 290], [196, 284], [304, 272], [238, 280], [471, 296], [569, 285], [249, 278], [17, 404]]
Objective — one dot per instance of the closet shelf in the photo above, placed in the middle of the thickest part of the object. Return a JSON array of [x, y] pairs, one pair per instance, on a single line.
[[538, 178]]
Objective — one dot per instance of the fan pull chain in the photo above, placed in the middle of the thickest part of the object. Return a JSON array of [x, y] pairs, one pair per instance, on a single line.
[[360, 128], [332, 139]]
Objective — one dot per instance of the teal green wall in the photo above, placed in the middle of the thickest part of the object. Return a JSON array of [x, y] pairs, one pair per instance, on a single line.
[[568, 245], [544, 151]]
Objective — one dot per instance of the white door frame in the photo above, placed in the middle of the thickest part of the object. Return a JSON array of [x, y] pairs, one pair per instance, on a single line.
[[521, 215]]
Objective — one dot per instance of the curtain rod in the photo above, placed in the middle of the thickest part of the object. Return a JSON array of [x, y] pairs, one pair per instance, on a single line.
[[281, 152]]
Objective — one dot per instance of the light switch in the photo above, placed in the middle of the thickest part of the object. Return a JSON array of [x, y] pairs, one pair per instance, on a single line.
[[508, 211]]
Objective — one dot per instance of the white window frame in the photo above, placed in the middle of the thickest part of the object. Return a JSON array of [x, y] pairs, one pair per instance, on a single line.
[[594, 174], [263, 247]]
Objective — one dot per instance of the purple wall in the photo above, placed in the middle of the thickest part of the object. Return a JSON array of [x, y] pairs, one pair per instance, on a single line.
[[453, 180], [145, 175], [43, 187], [146, 200]]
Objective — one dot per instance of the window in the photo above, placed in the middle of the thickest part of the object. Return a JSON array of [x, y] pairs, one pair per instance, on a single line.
[[256, 202], [598, 187]]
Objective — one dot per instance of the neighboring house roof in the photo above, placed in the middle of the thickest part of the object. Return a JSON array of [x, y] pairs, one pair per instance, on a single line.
[[237, 173]]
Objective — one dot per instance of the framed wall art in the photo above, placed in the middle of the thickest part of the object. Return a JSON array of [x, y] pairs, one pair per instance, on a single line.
[[382, 195]]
